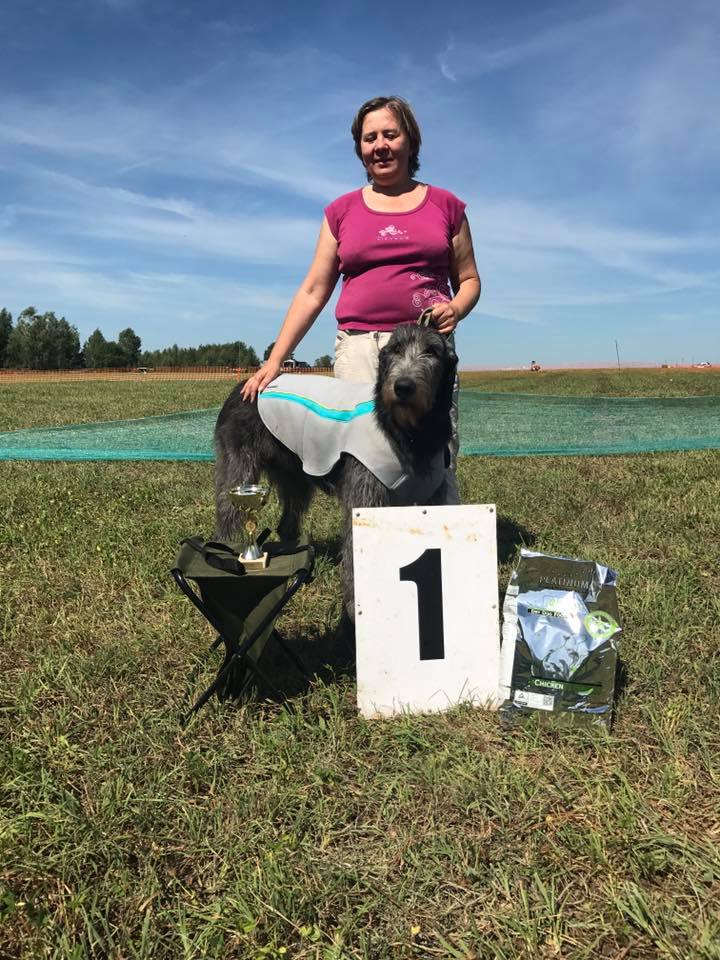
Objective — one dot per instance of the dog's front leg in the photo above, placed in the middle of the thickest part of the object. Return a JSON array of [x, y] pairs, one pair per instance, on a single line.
[[360, 489], [447, 493], [348, 583], [295, 499]]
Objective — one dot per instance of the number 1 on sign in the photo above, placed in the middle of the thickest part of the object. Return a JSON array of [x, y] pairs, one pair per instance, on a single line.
[[426, 574]]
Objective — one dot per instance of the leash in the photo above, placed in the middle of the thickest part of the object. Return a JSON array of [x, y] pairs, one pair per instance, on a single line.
[[425, 318]]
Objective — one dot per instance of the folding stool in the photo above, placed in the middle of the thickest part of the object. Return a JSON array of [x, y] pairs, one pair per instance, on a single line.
[[242, 606]]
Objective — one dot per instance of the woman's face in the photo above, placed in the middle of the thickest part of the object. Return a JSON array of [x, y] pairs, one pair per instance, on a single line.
[[385, 147]]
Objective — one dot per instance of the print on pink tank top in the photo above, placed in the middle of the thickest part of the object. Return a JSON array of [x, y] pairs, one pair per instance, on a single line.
[[393, 265]]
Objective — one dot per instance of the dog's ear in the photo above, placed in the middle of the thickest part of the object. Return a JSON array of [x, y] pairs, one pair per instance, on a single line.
[[382, 373], [452, 357], [383, 361], [447, 386]]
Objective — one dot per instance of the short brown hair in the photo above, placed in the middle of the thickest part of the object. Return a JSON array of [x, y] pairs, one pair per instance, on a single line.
[[406, 118]]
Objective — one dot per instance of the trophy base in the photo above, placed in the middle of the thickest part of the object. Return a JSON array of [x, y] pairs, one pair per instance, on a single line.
[[258, 564]]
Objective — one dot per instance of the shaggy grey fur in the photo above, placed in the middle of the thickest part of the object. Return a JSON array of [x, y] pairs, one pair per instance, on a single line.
[[413, 396]]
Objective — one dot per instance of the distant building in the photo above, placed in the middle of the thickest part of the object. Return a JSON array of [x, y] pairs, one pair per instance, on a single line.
[[293, 364]]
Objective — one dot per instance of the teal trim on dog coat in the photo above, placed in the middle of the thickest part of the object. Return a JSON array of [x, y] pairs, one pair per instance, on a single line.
[[320, 418]]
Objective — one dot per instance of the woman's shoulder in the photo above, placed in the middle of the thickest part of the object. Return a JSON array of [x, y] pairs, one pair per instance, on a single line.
[[450, 206], [338, 210], [444, 198], [344, 202]]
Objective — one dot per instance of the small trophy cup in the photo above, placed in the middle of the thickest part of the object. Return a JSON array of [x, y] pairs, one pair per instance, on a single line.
[[248, 500]]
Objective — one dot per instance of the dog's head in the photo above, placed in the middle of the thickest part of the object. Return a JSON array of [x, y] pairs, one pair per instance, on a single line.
[[416, 374]]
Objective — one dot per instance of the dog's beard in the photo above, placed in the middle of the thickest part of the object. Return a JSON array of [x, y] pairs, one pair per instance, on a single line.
[[407, 414]]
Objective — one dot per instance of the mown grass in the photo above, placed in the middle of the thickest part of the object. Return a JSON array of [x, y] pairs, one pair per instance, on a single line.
[[608, 382], [56, 404], [259, 832]]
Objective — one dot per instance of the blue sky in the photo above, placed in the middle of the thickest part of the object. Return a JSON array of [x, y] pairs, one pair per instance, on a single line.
[[164, 165]]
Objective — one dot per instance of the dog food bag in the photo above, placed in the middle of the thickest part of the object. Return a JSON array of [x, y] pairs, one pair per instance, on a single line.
[[560, 639]]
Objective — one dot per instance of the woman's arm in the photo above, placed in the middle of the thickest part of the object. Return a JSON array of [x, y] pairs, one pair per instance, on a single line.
[[312, 295], [465, 281]]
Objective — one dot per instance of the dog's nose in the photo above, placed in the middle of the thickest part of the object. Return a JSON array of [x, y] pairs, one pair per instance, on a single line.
[[404, 388]]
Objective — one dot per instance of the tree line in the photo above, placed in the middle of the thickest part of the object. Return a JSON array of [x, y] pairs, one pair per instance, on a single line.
[[43, 341], [234, 354]]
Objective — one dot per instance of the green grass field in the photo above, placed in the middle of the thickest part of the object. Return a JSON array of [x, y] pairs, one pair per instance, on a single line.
[[259, 832]]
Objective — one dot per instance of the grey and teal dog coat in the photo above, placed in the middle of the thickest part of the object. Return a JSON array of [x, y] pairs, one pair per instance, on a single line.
[[320, 418]]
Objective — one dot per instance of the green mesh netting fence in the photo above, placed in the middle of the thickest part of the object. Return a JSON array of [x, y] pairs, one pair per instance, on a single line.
[[491, 424], [176, 436], [505, 424]]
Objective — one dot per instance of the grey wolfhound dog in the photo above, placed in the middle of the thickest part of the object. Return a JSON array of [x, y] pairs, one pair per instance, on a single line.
[[412, 400]]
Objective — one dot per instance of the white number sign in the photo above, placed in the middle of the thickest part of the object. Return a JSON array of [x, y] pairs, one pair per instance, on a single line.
[[426, 608]]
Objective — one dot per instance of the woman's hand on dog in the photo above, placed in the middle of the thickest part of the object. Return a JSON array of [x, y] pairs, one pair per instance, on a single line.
[[445, 317], [258, 381]]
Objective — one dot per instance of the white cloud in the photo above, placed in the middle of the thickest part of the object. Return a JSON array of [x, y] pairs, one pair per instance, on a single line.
[[184, 132], [522, 225], [175, 226], [532, 260], [468, 58], [191, 307], [638, 99], [672, 113]]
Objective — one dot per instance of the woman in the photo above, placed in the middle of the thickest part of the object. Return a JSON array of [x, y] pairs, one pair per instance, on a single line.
[[394, 260], [400, 244]]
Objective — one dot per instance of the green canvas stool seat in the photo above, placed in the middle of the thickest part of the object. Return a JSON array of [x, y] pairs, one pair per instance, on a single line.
[[241, 605]]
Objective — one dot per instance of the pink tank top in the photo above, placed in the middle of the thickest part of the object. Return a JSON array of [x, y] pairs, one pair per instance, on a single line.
[[393, 265]]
